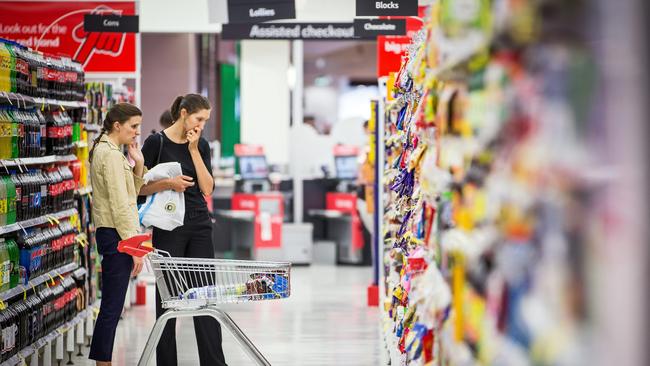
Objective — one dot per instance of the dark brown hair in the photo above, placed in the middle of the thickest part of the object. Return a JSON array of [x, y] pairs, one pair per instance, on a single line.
[[192, 103], [120, 112], [166, 119]]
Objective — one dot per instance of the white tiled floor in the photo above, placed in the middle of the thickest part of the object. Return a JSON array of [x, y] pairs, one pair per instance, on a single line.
[[324, 322]]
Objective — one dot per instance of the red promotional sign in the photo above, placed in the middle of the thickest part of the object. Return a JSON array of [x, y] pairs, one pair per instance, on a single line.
[[390, 49], [56, 28], [248, 150], [346, 150]]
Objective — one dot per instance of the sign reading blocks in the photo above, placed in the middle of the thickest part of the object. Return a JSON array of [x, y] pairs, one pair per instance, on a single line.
[[387, 7]]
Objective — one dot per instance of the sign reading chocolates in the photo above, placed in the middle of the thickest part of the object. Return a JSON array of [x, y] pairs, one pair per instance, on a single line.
[[368, 28], [257, 11]]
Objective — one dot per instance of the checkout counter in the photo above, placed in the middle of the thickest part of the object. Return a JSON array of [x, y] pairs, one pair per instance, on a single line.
[[252, 215], [331, 205]]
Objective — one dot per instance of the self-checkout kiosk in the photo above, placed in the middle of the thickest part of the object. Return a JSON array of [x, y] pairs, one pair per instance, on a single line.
[[254, 225], [340, 217]]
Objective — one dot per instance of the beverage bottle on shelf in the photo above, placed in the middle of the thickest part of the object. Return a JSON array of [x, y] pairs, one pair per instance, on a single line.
[[11, 46], [27, 196], [22, 70], [42, 133], [4, 334], [44, 240], [32, 80], [5, 267], [33, 149], [9, 327], [5, 135], [23, 325], [49, 77], [22, 124], [67, 133], [14, 258], [7, 67], [15, 132], [3, 203], [41, 75], [81, 82], [44, 182], [61, 79], [17, 182], [11, 199], [46, 299], [53, 190], [68, 179], [35, 307], [52, 130]]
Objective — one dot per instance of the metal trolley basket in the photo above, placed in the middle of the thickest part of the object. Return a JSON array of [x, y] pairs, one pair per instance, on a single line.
[[192, 287]]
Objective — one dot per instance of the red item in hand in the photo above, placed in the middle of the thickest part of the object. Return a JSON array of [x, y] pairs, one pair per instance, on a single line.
[[137, 246]]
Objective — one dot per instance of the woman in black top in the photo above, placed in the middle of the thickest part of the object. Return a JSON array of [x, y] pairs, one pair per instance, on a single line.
[[182, 142]]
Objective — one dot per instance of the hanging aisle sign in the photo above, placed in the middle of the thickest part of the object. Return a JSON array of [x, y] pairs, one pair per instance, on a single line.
[[367, 28], [257, 11], [57, 28], [111, 23], [387, 7], [390, 49], [311, 31]]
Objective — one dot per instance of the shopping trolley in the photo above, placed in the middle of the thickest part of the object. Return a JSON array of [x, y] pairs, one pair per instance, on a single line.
[[192, 287]]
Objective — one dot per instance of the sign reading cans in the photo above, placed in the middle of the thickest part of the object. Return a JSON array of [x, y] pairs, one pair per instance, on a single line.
[[111, 23], [257, 11], [312, 31], [368, 28], [387, 7]]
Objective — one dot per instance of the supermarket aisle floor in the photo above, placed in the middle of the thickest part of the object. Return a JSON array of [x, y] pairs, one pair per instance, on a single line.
[[324, 322]]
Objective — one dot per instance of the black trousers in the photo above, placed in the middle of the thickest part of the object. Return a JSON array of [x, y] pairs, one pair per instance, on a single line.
[[193, 240], [116, 270]]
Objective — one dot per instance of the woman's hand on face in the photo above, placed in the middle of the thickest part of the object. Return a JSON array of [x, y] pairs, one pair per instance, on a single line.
[[181, 183], [137, 266], [193, 137], [135, 153]]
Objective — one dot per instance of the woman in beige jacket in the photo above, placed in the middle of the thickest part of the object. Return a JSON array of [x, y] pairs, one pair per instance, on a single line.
[[115, 188]]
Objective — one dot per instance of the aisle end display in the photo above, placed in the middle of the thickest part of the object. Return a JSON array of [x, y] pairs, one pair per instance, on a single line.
[[485, 247]]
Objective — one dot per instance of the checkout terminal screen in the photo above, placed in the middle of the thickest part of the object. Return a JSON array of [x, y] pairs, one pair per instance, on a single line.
[[346, 167], [253, 167]]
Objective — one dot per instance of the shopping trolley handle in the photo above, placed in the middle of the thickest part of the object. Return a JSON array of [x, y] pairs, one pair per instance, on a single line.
[[137, 245]]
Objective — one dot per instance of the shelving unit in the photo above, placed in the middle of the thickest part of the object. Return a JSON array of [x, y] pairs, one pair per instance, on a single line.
[[49, 159], [463, 175], [31, 350], [19, 100], [4, 296], [37, 221]]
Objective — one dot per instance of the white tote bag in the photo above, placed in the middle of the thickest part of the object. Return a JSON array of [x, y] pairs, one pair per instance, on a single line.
[[164, 210]]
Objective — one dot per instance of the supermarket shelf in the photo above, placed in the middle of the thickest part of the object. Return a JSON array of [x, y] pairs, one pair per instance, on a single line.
[[84, 191], [37, 221], [38, 281], [24, 100], [92, 127], [79, 144], [33, 348], [49, 159]]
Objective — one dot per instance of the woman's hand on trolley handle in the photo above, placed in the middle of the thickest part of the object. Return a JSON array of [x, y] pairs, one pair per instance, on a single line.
[[137, 266]]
